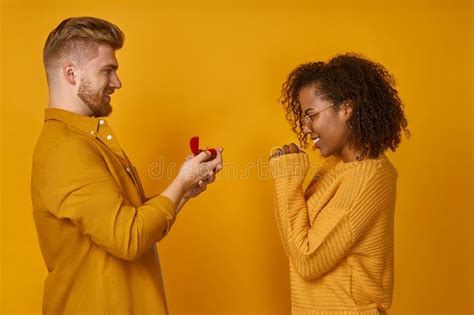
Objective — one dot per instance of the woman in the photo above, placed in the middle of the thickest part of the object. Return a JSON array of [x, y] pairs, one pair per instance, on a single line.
[[338, 233]]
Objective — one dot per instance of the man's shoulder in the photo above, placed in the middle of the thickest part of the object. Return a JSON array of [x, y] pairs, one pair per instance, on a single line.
[[57, 136]]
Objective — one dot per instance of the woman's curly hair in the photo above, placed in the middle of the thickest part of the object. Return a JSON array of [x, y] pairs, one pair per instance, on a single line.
[[377, 112]]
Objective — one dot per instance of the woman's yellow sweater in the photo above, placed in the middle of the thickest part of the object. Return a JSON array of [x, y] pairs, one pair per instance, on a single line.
[[338, 234]]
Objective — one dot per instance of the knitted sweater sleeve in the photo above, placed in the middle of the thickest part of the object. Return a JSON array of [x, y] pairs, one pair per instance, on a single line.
[[315, 248]]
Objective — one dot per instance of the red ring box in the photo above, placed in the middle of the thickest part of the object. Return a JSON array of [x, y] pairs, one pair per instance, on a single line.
[[194, 145]]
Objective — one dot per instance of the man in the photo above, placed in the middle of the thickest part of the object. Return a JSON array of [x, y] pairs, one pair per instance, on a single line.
[[96, 229]]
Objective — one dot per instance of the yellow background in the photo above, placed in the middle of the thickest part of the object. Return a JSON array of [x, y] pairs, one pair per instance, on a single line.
[[215, 69]]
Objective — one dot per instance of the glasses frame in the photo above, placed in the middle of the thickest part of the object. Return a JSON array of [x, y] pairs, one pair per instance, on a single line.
[[307, 120]]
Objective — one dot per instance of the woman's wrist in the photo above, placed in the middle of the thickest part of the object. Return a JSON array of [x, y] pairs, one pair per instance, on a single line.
[[289, 165]]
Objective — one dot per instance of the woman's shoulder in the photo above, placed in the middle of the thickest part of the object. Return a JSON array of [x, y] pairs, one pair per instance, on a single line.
[[356, 173], [369, 168]]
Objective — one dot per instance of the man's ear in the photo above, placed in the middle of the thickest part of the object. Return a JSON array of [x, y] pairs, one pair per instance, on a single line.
[[70, 73]]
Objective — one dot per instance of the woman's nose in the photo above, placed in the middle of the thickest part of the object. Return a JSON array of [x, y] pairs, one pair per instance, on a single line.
[[307, 130]]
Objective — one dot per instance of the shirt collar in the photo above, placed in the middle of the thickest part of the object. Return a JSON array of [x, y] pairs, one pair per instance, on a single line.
[[86, 124], [97, 128]]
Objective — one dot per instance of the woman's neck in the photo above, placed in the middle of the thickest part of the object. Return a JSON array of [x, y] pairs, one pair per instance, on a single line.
[[350, 155]]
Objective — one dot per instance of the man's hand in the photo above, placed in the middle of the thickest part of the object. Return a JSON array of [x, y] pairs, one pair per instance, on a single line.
[[286, 149], [201, 185], [198, 168]]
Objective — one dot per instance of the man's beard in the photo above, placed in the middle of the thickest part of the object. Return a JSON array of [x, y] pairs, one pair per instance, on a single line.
[[94, 100]]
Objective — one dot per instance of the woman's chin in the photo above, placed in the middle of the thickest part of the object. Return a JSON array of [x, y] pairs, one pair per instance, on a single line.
[[324, 153]]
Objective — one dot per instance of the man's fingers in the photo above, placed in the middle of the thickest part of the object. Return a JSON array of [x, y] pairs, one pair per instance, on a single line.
[[211, 179], [202, 184], [214, 163], [220, 159], [203, 156]]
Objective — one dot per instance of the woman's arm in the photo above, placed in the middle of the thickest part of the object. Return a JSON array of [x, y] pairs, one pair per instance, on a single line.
[[314, 250]]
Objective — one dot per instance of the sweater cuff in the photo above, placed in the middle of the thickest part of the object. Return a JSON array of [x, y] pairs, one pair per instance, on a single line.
[[289, 165]]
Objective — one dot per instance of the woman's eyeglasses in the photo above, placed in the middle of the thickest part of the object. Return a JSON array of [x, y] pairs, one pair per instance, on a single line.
[[307, 120]]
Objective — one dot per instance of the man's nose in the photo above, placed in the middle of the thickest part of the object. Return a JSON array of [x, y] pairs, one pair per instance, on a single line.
[[115, 82]]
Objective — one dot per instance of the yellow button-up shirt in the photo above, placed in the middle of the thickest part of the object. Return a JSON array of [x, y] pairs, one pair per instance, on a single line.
[[96, 230]]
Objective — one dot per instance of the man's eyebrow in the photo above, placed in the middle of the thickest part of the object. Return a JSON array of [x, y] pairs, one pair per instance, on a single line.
[[112, 65]]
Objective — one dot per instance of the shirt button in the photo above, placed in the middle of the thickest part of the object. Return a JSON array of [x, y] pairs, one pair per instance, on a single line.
[[92, 132], [128, 169], [101, 121], [109, 137]]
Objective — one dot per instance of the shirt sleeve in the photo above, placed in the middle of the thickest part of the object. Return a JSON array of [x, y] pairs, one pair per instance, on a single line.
[[78, 187], [314, 249]]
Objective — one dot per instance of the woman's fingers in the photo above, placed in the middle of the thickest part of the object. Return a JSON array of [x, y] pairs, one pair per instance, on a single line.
[[293, 148], [290, 148], [285, 149]]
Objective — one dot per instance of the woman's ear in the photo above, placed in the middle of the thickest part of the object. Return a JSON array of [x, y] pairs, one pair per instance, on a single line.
[[347, 109]]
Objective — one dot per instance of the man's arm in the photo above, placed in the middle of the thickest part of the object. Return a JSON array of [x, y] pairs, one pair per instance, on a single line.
[[77, 186]]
